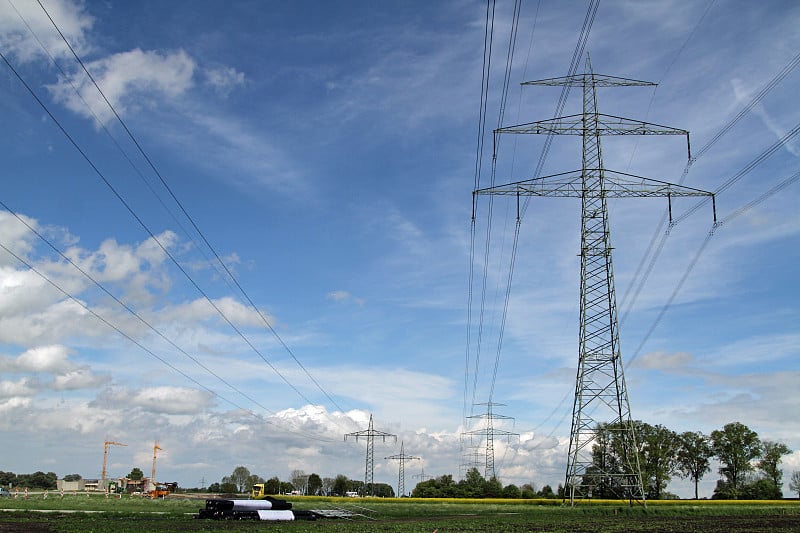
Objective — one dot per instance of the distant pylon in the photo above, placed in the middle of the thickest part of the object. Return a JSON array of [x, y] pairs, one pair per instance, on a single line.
[[601, 397], [401, 476], [370, 433], [488, 432]]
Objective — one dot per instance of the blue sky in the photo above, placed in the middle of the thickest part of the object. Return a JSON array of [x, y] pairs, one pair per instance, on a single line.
[[327, 152]]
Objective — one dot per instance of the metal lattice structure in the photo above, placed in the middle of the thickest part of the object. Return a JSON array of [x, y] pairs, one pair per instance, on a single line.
[[601, 397], [370, 433], [401, 475], [488, 433]]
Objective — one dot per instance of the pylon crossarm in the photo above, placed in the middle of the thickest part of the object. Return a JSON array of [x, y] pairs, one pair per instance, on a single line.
[[571, 185], [599, 80], [605, 125]]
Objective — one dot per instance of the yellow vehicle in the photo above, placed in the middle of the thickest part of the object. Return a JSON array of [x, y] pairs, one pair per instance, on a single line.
[[258, 491]]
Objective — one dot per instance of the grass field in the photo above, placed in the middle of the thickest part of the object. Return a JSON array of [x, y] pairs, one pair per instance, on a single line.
[[74, 514]]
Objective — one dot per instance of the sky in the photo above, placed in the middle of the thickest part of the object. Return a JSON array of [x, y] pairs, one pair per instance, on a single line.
[[266, 237]]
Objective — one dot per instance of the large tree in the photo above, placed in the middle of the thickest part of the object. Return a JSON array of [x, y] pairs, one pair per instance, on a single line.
[[314, 484], [736, 446], [658, 448], [136, 474], [794, 482], [694, 456], [770, 463], [299, 479], [239, 477]]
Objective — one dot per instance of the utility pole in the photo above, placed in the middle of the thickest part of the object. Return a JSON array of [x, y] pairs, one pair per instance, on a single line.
[[488, 432], [601, 397], [106, 444], [370, 433], [401, 476]]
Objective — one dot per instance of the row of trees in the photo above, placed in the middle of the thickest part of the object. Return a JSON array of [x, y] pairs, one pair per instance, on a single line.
[[750, 467], [241, 480], [37, 480], [476, 486]]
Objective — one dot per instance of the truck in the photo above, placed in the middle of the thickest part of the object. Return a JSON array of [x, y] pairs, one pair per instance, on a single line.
[[258, 492], [162, 490]]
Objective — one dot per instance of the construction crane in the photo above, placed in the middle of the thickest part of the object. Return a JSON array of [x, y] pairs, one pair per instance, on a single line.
[[106, 444], [156, 447]]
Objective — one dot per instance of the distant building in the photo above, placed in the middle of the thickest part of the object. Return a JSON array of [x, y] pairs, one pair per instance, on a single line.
[[70, 486]]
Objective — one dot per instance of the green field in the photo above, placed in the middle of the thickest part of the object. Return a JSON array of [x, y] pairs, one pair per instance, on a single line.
[[81, 513]]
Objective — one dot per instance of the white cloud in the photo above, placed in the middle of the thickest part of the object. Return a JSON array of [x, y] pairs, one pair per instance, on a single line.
[[52, 359], [16, 39], [22, 387], [129, 80], [224, 79], [171, 400]]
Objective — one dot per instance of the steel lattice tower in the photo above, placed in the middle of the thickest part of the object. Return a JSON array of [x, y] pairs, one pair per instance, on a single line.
[[401, 475], [601, 397], [370, 433], [488, 432]]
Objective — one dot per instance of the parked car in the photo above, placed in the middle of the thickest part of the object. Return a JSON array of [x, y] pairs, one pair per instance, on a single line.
[[4, 492]]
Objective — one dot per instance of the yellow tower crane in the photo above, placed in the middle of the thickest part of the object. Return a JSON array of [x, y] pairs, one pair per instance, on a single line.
[[106, 444], [155, 492]]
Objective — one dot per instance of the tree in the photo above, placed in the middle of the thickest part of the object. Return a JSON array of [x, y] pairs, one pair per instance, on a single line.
[[327, 485], [735, 446], [72, 477], [228, 487], [658, 447], [136, 474], [239, 478], [546, 492], [314, 484], [762, 489], [299, 479], [771, 460], [214, 487], [252, 480], [512, 492], [694, 456], [341, 485], [794, 482], [272, 485]]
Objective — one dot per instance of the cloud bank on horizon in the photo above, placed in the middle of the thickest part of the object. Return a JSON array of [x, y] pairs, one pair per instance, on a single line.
[[328, 154]]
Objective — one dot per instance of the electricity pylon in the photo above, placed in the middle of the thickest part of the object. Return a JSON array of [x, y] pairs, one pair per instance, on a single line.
[[401, 476], [488, 432], [370, 433], [601, 397]]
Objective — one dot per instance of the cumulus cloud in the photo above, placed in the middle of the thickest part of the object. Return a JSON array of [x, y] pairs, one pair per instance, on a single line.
[[21, 387], [53, 360], [165, 400]]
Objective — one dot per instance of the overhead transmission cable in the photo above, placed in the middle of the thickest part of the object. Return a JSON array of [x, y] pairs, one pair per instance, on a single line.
[[163, 248], [150, 352], [512, 43], [199, 232], [636, 281], [134, 313], [728, 183], [488, 36]]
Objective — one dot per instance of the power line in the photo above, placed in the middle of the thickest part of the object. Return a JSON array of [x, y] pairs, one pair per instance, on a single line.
[[116, 328], [197, 229], [105, 180], [774, 82]]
